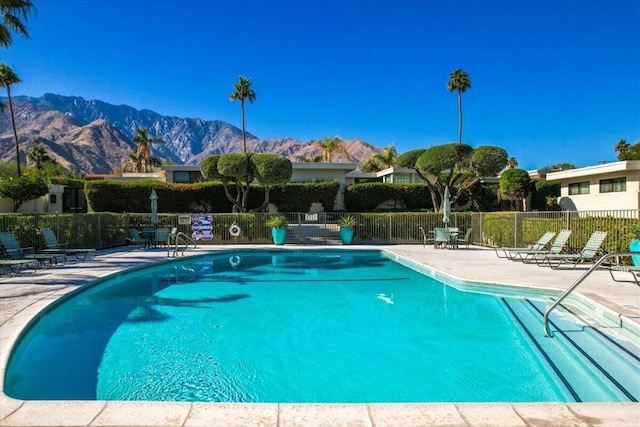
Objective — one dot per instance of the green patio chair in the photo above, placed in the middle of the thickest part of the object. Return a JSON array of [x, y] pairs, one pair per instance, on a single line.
[[15, 252], [530, 256], [15, 266], [466, 239], [53, 247], [537, 246], [587, 254]]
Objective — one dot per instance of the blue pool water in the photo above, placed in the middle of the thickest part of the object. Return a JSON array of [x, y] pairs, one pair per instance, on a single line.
[[296, 326]]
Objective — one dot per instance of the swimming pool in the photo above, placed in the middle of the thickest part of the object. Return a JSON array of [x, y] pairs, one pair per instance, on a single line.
[[284, 326]]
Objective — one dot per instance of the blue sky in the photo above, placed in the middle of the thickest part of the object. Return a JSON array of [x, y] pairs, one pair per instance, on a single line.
[[552, 80]]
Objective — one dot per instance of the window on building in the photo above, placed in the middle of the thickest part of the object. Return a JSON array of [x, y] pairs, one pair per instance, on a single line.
[[186, 177], [579, 188], [402, 179], [613, 185]]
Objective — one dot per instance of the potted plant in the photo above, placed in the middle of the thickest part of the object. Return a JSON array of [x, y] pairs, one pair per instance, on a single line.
[[347, 224], [278, 224], [634, 246]]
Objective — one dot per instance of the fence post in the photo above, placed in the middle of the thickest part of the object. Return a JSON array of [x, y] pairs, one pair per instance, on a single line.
[[99, 233]]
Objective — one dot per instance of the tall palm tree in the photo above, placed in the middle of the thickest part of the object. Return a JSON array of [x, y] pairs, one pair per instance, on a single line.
[[8, 78], [141, 159], [243, 91], [14, 12], [512, 163], [330, 146], [459, 80]]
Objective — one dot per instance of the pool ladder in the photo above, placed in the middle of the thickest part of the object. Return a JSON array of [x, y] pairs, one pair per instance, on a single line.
[[177, 241], [545, 318]]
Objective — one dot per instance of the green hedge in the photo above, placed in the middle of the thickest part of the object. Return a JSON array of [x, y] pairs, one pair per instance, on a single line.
[[209, 197], [368, 196]]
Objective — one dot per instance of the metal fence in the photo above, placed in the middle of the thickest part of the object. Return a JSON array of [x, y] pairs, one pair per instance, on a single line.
[[104, 230]]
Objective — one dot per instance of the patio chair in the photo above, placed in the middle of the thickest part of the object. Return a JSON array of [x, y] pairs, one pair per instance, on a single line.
[[441, 237], [529, 256], [466, 239], [15, 266], [425, 239], [587, 254], [537, 246], [634, 270], [135, 239], [52, 246], [15, 252], [161, 236]]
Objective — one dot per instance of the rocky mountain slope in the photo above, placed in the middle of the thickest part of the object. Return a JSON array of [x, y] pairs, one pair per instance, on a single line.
[[95, 137]]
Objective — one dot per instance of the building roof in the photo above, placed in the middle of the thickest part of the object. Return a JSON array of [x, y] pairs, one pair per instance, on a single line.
[[605, 168]]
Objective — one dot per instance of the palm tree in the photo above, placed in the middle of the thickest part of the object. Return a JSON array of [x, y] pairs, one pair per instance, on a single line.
[[8, 78], [38, 155], [622, 148], [243, 91], [388, 156], [512, 163], [459, 80], [141, 159], [13, 12], [330, 146]]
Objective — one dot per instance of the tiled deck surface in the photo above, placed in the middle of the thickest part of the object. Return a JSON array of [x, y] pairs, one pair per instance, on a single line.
[[23, 297]]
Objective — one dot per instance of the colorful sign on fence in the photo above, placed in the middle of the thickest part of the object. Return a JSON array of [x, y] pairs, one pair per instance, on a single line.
[[202, 227]]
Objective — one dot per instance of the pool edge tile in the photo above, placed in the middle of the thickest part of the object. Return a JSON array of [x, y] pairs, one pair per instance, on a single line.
[[132, 414], [50, 413], [326, 414], [415, 414], [232, 414], [609, 413]]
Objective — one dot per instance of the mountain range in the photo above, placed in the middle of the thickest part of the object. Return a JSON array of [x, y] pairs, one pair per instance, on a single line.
[[92, 136]]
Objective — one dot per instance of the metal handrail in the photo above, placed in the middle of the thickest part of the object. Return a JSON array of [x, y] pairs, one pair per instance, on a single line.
[[179, 237], [545, 318]]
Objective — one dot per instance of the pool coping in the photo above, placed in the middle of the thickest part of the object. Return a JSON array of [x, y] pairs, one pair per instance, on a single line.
[[117, 413]]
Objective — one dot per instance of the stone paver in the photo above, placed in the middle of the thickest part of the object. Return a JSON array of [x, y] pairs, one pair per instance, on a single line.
[[21, 298]]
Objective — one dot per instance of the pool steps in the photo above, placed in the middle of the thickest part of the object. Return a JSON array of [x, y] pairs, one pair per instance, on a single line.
[[612, 361]]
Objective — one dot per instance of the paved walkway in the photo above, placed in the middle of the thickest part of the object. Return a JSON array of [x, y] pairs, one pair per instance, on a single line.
[[21, 298]]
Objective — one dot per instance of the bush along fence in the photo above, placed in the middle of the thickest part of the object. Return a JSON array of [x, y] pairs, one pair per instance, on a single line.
[[107, 230]]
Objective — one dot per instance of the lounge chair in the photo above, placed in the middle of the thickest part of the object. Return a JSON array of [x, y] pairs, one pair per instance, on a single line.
[[53, 247], [15, 266], [587, 254], [531, 255], [15, 252], [634, 270], [466, 239], [537, 246]]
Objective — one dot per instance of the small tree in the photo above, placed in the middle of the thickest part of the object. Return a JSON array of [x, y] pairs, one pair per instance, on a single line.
[[514, 186], [456, 165], [21, 189], [38, 154], [627, 151], [241, 169]]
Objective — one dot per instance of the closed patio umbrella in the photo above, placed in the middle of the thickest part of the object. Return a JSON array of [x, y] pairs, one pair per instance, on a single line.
[[446, 206], [154, 207]]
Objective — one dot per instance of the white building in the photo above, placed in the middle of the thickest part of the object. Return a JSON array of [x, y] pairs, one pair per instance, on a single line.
[[601, 187]]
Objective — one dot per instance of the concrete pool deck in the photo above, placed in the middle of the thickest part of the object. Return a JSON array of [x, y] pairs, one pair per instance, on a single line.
[[23, 297]]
